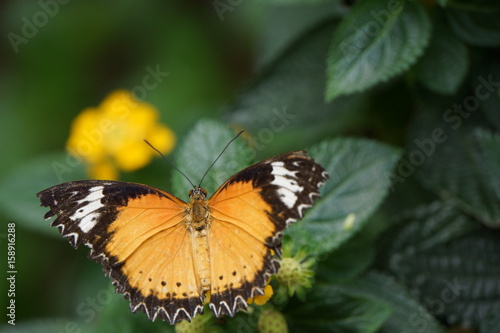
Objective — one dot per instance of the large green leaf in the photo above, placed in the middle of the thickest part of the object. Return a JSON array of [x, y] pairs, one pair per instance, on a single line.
[[444, 64], [358, 183], [287, 22], [419, 230], [375, 42], [490, 144], [487, 83], [453, 163], [200, 149], [475, 21], [407, 316], [491, 324], [329, 309], [19, 187], [286, 105], [457, 279], [338, 267]]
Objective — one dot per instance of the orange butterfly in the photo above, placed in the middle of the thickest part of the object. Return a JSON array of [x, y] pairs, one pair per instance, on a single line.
[[166, 255]]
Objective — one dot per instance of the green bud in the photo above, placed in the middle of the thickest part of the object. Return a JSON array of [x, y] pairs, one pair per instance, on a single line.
[[272, 321]]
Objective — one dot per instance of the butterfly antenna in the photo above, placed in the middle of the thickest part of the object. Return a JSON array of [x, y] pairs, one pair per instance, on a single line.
[[169, 162], [222, 152]]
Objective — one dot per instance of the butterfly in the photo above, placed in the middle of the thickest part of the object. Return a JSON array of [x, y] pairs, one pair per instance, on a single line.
[[168, 256]]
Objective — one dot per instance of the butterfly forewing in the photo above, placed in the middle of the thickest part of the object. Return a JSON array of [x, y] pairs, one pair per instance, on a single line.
[[249, 213]]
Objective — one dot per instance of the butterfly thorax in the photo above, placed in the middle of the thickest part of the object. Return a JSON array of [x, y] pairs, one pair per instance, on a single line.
[[198, 219], [198, 214]]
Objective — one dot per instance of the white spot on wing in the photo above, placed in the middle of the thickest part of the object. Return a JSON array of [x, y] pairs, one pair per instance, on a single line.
[[287, 182], [87, 214], [288, 198]]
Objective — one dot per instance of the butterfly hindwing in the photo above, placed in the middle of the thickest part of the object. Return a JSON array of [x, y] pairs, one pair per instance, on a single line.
[[135, 232], [249, 213]]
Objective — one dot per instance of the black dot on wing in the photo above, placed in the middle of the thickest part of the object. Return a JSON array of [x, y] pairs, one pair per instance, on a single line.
[[221, 277], [150, 279], [244, 266], [174, 294], [178, 284], [140, 272], [184, 294], [234, 273], [163, 283]]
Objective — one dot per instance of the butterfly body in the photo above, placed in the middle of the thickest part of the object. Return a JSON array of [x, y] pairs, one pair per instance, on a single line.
[[165, 255], [197, 223]]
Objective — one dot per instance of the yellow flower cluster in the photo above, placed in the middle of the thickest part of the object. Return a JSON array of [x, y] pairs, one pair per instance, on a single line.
[[111, 136], [262, 299]]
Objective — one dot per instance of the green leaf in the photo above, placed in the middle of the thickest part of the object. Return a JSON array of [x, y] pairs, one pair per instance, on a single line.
[[490, 144], [476, 22], [487, 82], [358, 183], [200, 149], [421, 229], [444, 64], [454, 166], [339, 266], [407, 316], [376, 41], [329, 309], [491, 324], [286, 22], [458, 281], [286, 104], [19, 188]]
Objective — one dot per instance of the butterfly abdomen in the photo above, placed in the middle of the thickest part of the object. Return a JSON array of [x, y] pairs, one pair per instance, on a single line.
[[198, 223]]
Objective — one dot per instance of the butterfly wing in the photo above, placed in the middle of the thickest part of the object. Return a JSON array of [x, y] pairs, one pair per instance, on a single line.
[[248, 215], [136, 233]]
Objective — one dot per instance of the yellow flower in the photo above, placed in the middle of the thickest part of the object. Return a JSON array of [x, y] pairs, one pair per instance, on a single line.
[[111, 136], [262, 299]]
